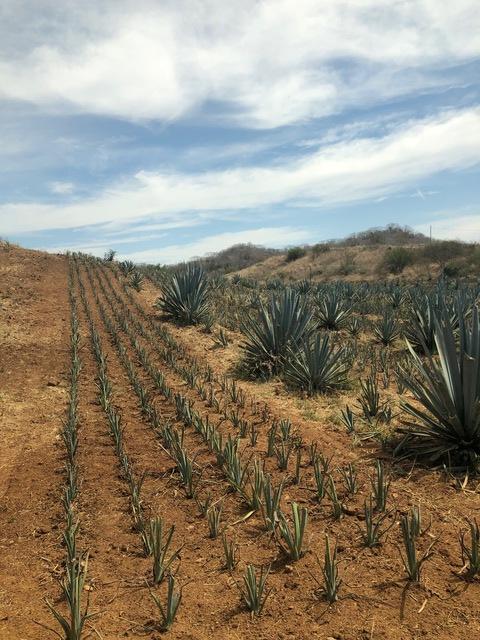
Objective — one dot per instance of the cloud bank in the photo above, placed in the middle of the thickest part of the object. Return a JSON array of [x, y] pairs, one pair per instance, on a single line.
[[266, 64], [339, 173]]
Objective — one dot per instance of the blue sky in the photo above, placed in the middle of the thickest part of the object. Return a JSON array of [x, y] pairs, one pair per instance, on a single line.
[[167, 130]]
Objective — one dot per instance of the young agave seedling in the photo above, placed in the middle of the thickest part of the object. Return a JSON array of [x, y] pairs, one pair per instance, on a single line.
[[72, 587], [471, 551], [70, 536], [214, 516], [298, 464], [337, 506], [319, 479], [283, 451], [293, 537], [370, 397], [348, 419], [230, 550], [257, 483], [416, 521], [413, 564], [254, 594], [325, 462], [373, 532], [205, 504], [285, 427], [185, 468], [272, 435], [331, 581], [271, 503], [380, 487], [174, 599], [350, 479], [221, 339], [159, 548], [253, 434]]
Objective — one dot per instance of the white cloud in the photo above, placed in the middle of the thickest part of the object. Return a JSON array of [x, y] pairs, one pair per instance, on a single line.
[[274, 237], [62, 188], [458, 227], [274, 62], [345, 172]]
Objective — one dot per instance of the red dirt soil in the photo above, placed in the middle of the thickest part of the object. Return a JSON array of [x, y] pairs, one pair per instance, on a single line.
[[375, 600]]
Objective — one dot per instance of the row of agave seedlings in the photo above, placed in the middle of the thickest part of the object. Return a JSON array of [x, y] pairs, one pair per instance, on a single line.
[[219, 392], [156, 538], [76, 561], [253, 589], [250, 482], [291, 539]]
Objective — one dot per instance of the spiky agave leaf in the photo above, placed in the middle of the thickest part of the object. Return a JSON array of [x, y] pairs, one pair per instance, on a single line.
[[275, 332], [420, 329], [185, 297], [317, 366], [447, 426]]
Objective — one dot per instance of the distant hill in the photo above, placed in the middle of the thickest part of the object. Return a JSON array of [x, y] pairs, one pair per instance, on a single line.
[[389, 252], [235, 258]]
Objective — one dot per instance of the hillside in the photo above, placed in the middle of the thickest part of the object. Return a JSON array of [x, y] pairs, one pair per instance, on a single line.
[[366, 263], [389, 252]]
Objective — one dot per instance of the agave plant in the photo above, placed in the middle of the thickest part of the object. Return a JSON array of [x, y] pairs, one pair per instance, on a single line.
[[127, 267], [447, 425], [332, 311], [396, 297], [317, 367], [185, 297], [419, 329], [136, 280], [278, 330], [386, 330]]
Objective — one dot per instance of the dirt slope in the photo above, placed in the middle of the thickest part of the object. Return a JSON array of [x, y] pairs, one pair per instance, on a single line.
[[33, 363], [352, 264]]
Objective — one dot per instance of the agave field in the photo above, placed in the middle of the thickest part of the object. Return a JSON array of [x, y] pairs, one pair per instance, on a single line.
[[224, 458]]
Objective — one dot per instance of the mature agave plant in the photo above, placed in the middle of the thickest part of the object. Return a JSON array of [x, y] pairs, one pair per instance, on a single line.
[[276, 332], [332, 311], [185, 297], [317, 366], [386, 330], [447, 425]]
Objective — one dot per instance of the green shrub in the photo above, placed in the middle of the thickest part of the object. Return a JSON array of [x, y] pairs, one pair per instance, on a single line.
[[395, 260], [442, 251], [452, 270], [294, 253], [347, 265], [319, 248]]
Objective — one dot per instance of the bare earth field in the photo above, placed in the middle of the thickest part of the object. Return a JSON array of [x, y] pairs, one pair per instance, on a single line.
[[376, 601]]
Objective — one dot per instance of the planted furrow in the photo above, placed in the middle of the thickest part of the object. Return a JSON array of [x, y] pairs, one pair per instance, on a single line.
[[116, 565]]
